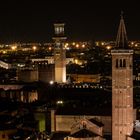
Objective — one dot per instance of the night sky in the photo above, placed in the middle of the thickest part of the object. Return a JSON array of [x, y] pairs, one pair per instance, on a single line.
[[32, 20]]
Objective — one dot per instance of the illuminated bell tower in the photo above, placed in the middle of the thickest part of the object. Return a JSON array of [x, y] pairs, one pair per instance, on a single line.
[[122, 86], [59, 53]]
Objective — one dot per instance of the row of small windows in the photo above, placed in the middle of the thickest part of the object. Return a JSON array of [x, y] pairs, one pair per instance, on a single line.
[[120, 63], [59, 30]]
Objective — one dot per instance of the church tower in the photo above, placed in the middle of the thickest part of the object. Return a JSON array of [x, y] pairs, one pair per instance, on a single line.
[[122, 86], [59, 53]]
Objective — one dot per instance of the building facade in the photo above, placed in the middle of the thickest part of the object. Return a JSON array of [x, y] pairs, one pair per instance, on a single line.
[[86, 129], [63, 123]]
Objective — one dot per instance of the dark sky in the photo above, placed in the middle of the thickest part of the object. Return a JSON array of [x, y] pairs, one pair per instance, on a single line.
[[32, 20]]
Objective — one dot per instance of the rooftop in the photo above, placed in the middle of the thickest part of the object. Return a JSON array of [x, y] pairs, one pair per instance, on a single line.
[[83, 133]]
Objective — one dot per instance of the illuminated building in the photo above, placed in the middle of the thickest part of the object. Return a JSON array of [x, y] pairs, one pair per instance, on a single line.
[[27, 74], [59, 53], [122, 87], [45, 72], [63, 120], [86, 129]]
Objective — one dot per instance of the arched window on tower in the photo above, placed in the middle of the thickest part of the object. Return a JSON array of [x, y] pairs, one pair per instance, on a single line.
[[121, 63], [117, 63], [124, 63]]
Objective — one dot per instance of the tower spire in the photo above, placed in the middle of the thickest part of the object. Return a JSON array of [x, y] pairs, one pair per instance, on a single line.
[[121, 40]]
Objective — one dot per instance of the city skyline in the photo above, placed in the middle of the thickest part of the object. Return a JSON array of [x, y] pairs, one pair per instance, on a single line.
[[33, 20], [67, 89]]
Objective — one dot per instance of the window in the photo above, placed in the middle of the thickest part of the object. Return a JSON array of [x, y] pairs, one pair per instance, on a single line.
[[116, 63], [124, 63], [121, 63]]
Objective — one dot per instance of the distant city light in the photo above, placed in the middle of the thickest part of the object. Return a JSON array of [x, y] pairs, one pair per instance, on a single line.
[[59, 102], [97, 43], [77, 45], [27, 138], [66, 44], [51, 82], [83, 46], [67, 48], [108, 47], [102, 43], [76, 61], [4, 52], [82, 53], [50, 48], [14, 48], [34, 48], [73, 43], [101, 87]]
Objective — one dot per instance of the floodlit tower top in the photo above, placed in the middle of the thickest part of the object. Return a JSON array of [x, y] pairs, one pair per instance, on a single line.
[[59, 29], [59, 32], [121, 40]]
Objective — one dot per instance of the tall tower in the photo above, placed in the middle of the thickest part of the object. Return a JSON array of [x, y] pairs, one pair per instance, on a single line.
[[122, 86], [59, 53]]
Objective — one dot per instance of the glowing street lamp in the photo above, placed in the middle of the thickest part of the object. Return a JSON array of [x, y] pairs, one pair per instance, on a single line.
[[50, 48], [14, 48], [66, 45], [4, 52], [34, 48], [108, 47], [76, 61], [59, 102], [102, 43], [83, 46], [73, 43], [77, 45], [132, 43], [51, 82]]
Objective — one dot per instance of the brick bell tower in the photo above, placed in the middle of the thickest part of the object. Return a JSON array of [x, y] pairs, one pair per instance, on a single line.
[[122, 86], [59, 53]]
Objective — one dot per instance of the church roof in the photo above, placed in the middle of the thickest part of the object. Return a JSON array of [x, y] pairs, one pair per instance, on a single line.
[[121, 40], [83, 133], [93, 120], [59, 135]]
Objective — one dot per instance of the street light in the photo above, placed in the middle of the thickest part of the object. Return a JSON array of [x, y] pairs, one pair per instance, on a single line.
[[83, 46], [4, 52], [77, 45], [73, 43], [76, 61], [108, 47], [59, 102], [51, 82], [34, 48], [50, 48], [14, 48]]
